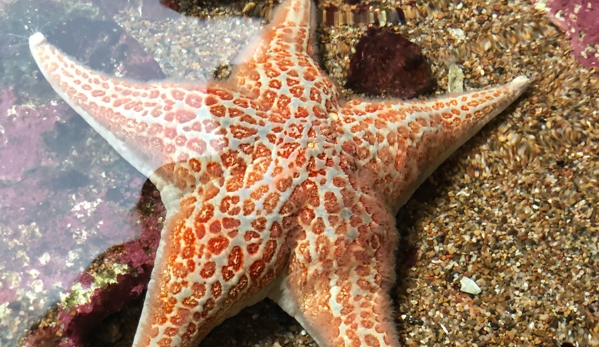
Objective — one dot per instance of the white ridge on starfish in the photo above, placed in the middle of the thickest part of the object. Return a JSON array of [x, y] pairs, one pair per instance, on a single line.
[[274, 186]]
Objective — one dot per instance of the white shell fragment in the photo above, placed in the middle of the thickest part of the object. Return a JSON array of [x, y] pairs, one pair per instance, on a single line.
[[469, 286]]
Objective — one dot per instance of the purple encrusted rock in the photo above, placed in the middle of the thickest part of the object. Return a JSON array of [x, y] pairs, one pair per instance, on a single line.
[[385, 63], [133, 261], [580, 20], [20, 130]]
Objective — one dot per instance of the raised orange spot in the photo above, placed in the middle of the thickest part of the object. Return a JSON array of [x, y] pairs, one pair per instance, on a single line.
[[253, 248], [169, 116], [191, 329], [241, 103], [164, 342], [200, 230], [169, 133], [217, 289], [269, 250], [194, 100], [283, 101], [227, 273], [187, 252], [235, 112], [318, 226], [269, 96], [208, 306], [191, 303], [210, 192], [177, 94], [241, 132], [270, 202], [217, 244], [120, 102], [257, 268], [222, 94], [198, 290], [231, 223], [248, 205], [297, 91], [208, 270], [306, 216], [259, 224], [196, 126], [181, 317], [214, 169], [156, 112], [219, 144], [276, 230], [205, 213], [197, 145], [184, 116], [188, 237], [179, 270], [371, 341], [215, 227], [180, 140], [210, 100], [284, 184], [236, 258], [155, 129], [195, 165], [228, 203], [176, 288], [218, 110], [210, 125], [275, 84], [309, 75]]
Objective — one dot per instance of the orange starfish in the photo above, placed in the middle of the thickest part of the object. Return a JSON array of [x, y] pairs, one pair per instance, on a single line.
[[274, 187]]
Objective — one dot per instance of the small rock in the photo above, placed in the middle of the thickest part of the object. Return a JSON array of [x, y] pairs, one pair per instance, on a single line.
[[469, 286], [456, 79]]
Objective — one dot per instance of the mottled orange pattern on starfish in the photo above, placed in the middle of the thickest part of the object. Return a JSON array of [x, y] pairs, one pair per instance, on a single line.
[[273, 185]]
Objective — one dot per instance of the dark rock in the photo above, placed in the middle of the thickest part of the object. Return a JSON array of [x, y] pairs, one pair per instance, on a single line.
[[387, 63], [106, 47]]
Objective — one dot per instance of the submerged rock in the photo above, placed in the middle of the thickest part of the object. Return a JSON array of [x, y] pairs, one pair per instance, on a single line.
[[387, 63]]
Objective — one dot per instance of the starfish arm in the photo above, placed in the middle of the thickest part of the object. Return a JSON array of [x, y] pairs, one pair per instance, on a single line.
[[215, 257], [402, 142], [149, 124], [342, 267], [269, 70]]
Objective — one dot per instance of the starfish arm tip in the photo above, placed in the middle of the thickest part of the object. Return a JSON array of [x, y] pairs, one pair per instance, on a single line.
[[520, 83], [36, 39]]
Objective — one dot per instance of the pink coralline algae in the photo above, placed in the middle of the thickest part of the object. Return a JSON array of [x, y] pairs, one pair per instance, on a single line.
[[20, 129], [580, 20], [71, 321]]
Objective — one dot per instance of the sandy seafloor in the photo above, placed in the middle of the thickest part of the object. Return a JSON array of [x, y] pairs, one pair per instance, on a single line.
[[515, 209]]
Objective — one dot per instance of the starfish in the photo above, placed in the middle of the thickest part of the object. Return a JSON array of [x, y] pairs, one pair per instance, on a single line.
[[274, 186]]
